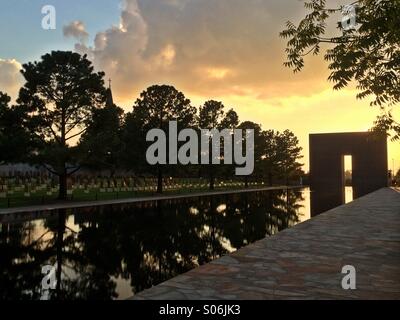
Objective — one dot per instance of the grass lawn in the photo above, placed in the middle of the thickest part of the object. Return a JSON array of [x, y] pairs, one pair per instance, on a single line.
[[20, 199]]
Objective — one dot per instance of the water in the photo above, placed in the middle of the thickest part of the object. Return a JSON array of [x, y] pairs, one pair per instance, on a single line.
[[348, 194], [113, 252]]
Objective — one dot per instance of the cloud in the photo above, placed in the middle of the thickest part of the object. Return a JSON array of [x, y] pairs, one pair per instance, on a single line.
[[119, 50], [205, 48], [76, 29], [10, 77]]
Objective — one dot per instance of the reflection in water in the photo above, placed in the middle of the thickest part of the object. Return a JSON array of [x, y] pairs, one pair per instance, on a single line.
[[116, 251], [348, 194], [326, 199]]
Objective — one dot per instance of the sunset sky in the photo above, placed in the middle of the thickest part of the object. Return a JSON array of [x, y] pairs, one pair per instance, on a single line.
[[228, 50]]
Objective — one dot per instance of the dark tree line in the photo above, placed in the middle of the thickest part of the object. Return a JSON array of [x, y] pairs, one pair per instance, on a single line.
[[64, 119]]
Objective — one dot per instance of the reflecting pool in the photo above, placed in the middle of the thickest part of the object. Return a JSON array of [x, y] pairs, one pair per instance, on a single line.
[[115, 251]]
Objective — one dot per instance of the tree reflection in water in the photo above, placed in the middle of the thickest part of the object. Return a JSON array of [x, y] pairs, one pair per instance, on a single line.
[[116, 251]]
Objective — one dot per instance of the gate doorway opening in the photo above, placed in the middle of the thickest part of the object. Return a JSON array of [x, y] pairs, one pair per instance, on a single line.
[[347, 178]]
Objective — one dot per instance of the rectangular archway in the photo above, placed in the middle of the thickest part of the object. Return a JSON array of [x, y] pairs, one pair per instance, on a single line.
[[327, 151]]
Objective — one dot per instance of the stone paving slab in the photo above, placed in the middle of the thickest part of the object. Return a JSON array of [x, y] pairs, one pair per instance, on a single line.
[[305, 261]]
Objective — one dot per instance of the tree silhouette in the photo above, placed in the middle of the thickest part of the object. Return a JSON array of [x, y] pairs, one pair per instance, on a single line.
[[259, 146], [269, 156], [101, 144], [15, 139], [288, 152], [60, 94], [212, 116], [158, 105], [276, 154]]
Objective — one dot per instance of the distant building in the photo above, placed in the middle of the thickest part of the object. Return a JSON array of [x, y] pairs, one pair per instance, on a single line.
[[20, 168]]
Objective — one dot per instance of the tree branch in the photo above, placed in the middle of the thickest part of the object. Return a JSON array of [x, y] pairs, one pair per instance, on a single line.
[[54, 133], [308, 52], [50, 170], [73, 171], [76, 134]]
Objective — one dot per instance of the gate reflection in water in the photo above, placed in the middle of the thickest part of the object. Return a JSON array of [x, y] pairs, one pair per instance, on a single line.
[[326, 199]]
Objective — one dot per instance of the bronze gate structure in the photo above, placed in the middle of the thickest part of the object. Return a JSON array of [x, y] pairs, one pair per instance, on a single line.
[[327, 151]]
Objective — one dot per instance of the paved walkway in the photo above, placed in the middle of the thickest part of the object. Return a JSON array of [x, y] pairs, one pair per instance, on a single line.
[[305, 261], [85, 204]]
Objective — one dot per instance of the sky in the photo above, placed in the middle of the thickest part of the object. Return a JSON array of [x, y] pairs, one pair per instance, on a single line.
[[227, 50]]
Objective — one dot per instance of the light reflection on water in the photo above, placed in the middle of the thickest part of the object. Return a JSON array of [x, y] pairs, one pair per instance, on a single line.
[[116, 251], [348, 194]]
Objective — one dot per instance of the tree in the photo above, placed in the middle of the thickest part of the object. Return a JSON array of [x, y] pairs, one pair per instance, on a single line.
[[158, 105], [231, 120], [14, 136], [60, 94], [133, 138], [101, 144], [368, 53], [213, 116], [269, 155], [259, 146], [287, 155]]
